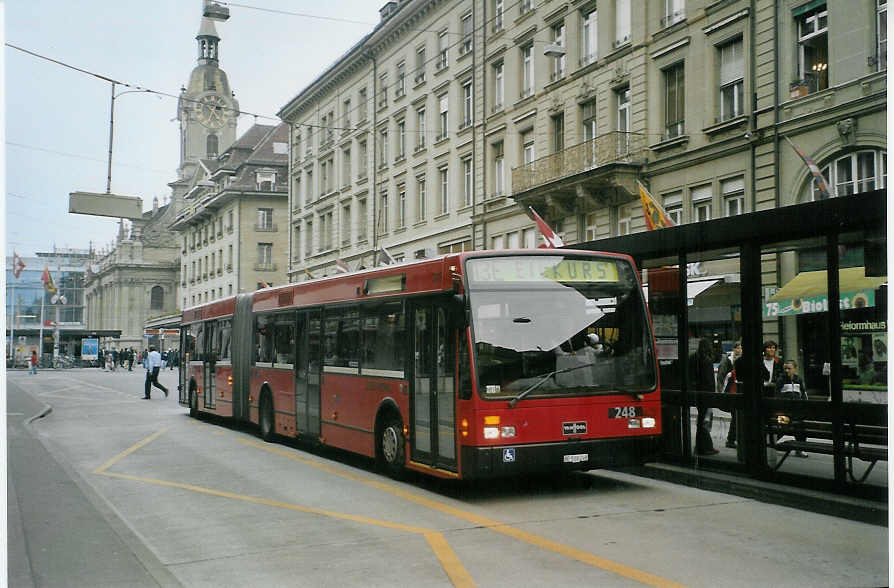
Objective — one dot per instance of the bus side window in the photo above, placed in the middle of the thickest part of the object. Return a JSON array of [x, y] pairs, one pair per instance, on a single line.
[[199, 351], [212, 332], [263, 340], [384, 337], [285, 339], [226, 327], [189, 342]]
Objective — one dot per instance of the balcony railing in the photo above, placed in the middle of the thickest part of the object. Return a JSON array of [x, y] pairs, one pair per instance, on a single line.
[[605, 149]]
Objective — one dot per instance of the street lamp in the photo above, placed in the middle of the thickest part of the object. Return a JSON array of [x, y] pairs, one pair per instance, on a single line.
[[112, 129]]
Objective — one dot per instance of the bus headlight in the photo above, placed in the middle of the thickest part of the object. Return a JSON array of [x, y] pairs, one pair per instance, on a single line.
[[491, 433], [507, 431], [648, 423]]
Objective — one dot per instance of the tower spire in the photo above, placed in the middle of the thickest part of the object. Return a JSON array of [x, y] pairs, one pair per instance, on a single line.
[[208, 42]]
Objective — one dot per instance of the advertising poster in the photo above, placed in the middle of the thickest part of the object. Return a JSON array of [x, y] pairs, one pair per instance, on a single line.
[[89, 349]]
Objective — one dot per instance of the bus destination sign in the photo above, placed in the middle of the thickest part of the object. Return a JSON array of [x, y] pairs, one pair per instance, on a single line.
[[541, 269]]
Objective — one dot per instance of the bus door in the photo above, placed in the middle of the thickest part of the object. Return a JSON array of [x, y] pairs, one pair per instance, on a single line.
[[308, 364], [209, 362], [432, 404]]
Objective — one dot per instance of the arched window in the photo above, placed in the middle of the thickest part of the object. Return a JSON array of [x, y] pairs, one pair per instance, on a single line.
[[852, 173], [157, 298], [211, 146]]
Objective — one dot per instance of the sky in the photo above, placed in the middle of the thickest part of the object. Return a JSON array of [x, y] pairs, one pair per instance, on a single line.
[[57, 119]]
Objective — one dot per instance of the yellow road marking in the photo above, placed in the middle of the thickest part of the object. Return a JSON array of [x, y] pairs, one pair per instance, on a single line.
[[533, 539], [436, 540], [101, 469]]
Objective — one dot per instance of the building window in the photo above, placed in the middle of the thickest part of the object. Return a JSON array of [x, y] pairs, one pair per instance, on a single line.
[[420, 199], [467, 104], [882, 34], [529, 239], [442, 117], [444, 195], [157, 298], [623, 220], [622, 22], [558, 38], [328, 176], [497, 242], [308, 238], [525, 6], [361, 105], [854, 173], [265, 219], [361, 160], [420, 65], [383, 147], [673, 206], [383, 211], [558, 124], [499, 169], [466, 27], [732, 76], [588, 38], [346, 115], [498, 15], [674, 12], [361, 220], [401, 206], [346, 167], [498, 86], [527, 141], [346, 225], [400, 87], [401, 140], [622, 99], [326, 231], [527, 66], [230, 255], [588, 120], [733, 191], [813, 48], [590, 229], [211, 143], [309, 186], [468, 183], [420, 129], [383, 90], [701, 203], [265, 255], [443, 44], [674, 94]]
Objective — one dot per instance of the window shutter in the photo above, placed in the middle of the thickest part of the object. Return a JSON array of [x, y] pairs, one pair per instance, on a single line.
[[732, 62]]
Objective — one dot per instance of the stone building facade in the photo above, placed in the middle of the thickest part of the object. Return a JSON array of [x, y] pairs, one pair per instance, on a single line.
[[439, 128]]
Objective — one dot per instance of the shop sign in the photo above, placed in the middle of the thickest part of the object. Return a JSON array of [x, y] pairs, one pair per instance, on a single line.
[[812, 304], [864, 326]]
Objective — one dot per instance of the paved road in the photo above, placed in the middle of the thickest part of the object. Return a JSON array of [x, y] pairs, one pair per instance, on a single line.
[[139, 494]]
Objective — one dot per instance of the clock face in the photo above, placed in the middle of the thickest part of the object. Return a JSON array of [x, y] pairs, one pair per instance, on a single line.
[[212, 111]]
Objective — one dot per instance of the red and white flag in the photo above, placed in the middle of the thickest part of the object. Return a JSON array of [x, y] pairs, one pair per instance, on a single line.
[[17, 264], [47, 280], [341, 267], [814, 169], [552, 239]]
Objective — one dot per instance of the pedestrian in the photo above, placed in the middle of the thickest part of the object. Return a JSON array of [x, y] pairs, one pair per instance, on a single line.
[[771, 368], [726, 384], [172, 357], [791, 387], [114, 359], [130, 359], [153, 365], [702, 375], [33, 371]]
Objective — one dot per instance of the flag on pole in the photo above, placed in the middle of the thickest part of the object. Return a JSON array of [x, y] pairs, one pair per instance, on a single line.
[[552, 239], [309, 275], [385, 258], [814, 169], [656, 217], [340, 266], [47, 280], [17, 264]]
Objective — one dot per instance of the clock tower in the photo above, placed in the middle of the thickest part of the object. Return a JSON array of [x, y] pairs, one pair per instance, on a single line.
[[207, 109]]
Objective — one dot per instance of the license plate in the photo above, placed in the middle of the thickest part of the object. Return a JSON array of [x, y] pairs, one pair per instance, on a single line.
[[625, 412], [576, 458]]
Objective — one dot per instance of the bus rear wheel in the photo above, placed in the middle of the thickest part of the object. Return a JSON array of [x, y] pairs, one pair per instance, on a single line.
[[391, 446], [265, 418]]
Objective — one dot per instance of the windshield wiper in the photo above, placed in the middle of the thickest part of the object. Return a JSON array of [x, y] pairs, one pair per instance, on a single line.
[[540, 382]]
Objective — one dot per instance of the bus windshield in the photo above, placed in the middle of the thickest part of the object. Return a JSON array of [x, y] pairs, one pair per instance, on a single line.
[[549, 325]]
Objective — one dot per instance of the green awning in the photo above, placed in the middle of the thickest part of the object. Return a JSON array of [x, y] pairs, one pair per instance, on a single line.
[[808, 7]]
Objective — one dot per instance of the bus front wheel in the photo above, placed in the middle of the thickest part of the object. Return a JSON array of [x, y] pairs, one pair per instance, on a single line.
[[391, 446], [265, 418]]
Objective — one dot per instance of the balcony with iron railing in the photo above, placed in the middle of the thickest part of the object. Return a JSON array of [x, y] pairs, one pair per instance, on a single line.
[[604, 150]]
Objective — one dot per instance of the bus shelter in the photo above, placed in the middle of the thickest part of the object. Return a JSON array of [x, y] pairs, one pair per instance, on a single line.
[[811, 278]]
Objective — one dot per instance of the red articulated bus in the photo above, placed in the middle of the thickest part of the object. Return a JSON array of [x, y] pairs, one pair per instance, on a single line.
[[470, 365]]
